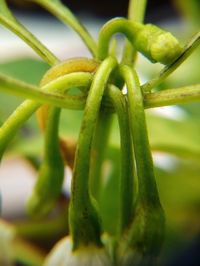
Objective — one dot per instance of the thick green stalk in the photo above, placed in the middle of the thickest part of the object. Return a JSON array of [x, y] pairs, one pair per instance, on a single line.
[[51, 174], [154, 43], [49, 183], [166, 71], [65, 15], [147, 186], [9, 21], [146, 233], [28, 107], [136, 12], [83, 217], [100, 141], [127, 166]]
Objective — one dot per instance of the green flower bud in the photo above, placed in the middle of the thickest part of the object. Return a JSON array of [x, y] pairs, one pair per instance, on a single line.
[[166, 48], [153, 42], [62, 255], [158, 45]]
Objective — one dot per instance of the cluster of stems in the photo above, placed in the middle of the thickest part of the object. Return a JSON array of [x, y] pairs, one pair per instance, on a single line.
[[100, 81]]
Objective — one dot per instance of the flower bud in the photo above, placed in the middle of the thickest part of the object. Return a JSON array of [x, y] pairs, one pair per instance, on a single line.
[[157, 44], [63, 255]]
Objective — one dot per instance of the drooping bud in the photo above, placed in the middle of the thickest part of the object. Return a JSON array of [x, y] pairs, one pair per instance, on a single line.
[[62, 255]]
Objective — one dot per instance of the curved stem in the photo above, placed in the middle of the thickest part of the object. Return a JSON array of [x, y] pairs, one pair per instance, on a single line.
[[154, 43], [167, 97], [112, 27], [100, 141], [127, 165], [71, 66], [51, 174], [22, 89], [166, 71], [136, 11], [146, 233], [9, 21], [83, 218], [65, 15], [147, 186], [15, 121], [28, 107], [80, 64], [49, 183]]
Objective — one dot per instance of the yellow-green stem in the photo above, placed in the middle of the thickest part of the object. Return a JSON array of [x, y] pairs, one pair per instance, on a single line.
[[65, 15]]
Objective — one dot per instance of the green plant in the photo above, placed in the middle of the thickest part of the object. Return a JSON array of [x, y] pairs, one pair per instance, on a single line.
[[99, 82]]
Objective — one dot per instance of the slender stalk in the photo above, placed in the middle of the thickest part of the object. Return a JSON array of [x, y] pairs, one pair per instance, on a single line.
[[15, 121], [147, 186], [66, 16], [127, 165], [166, 71], [83, 217], [147, 231], [153, 42], [51, 174], [172, 96], [100, 141], [8, 20], [28, 107], [136, 12], [47, 95]]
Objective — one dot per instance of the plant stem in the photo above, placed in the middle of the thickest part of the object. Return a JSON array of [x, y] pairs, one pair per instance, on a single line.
[[145, 235], [49, 182], [100, 141], [127, 165], [47, 94], [83, 218], [174, 96], [15, 121], [65, 15], [70, 66], [167, 97], [9, 21], [153, 42], [166, 71], [28, 107], [115, 26], [147, 186], [136, 12]]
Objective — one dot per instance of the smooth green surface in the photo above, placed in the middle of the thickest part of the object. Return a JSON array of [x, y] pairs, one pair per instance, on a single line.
[[83, 212]]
